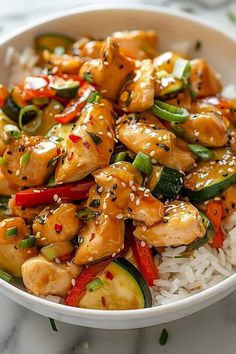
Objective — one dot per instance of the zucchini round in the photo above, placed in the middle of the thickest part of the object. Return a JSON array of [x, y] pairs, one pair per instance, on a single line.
[[123, 288], [12, 109], [51, 41], [66, 89]]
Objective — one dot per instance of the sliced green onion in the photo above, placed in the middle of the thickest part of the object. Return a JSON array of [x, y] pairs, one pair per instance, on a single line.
[[163, 337], [162, 73], [53, 161], [11, 232], [3, 162], [39, 101], [41, 219], [168, 112], [88, 77], [25, 158], [5, 276], [55, 139], [59, 51], [96, 138], [201, 151], [182, 69], [94, 96], [12, 131], [94, 285], [53, 324], [119, 157], [27, 243], [34, 125], [86, 214], [143, 163], [49, 252], [51, 181], [4, 202]]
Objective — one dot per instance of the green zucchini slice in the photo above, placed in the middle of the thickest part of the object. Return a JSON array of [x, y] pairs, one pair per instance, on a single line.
[[51, 41], [210, 232], [170, 85], [12, 107], [66, 89], [166, 182], [122, 287]]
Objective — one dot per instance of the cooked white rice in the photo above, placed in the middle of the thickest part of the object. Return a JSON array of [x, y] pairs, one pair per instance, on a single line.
[[179, 277]]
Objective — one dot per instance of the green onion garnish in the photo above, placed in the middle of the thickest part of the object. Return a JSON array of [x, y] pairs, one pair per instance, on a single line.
[[96, 138], [86, 214], [25, 158], [162, 73], [27, 243], [39, 101], [5, 276], [143, 163], [4, 202], [119, 157], [33, 125], [88, 77], [53, 161], [3, 162], [94, 96], [94, 285], [182, 69], [49, 252], [163, 337], [51, 181], [168, 112], [95, 203], [201, 151], [53, 324], [12, 131], [11, 232], [55, 139]]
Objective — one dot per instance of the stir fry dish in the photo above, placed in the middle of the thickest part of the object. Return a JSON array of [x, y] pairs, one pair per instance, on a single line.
[[112, 155]]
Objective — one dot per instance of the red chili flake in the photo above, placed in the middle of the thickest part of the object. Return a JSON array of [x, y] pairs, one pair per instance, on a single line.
[[109, 275], [92, 236], [70, 156], [58, 152], [86, 144], [58, 228], [75, 138], [103, 301]]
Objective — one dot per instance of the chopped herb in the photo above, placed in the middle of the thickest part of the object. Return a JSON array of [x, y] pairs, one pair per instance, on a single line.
[[94, 96], [12, 131], [95, 203], [163, 337], [143, 163], [25, 158], [88, 77], [94, 285], [51, 181], [119, 157], [86, 214], [232, 17], [5, 276], [96, 139], [198, 45], [27, 243], [11, 232], [53, 161], [53, 324], [4, 203], [41, 219]]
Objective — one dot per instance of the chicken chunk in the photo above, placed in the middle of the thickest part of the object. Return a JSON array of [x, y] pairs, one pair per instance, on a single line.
[[90, 144], [204, 81], [11, 256], [166, 61], [101, 237], [56, 224], [28, 214], [91, 49], [138, 93], [36, 168], [145, 133], [67, 64], [181, 225], [6, 187], [110, 71], [42, 277], [118, 195], [137, 44], [228, 200]]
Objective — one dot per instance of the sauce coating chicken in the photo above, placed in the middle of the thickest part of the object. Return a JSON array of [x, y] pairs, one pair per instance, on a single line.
[[28, 214], [118, 195], [6, 187], [101, 237], [90, 144], [181, 225]]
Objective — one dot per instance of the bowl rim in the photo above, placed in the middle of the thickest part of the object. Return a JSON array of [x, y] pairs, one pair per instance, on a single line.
[[94, 314]]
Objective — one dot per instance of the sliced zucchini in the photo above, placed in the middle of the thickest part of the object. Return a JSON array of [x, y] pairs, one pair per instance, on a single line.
[[209, 179], [170, 85], [166, 182], [122, 287], [48, 117], [51, 41], [66, 89], [210, 232], [60, 132], [13, 105]]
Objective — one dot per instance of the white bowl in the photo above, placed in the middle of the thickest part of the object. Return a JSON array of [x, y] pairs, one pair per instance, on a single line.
[[172, 27]]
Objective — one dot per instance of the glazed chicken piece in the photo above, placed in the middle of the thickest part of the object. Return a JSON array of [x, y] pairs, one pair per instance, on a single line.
[[6, 188], [28, 214], [28, 161], [91, 49], [137, 94], [101, 237], [204, 81], [11, 256], [182, 99], [42, 277], [118, 194], [146, 133], [228, 200], [110, 71], [90, 144], [207, 129], [58, 223], [180, 225], [137, 44], [166, 61], [67, 64]]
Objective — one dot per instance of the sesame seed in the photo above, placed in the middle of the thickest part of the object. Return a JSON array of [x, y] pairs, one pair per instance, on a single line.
[[132, 196], [137, 202], [3, 223], [55, 197], [144, 228], [143, 244], [123, 184], [152, 153], [109, 134], [119, 216], [131, 183], [104, 205], [109, 178], [90, 259], [100, 133], [113, 254], [134, 188], [57, 260], [230, 169], [211, 139], [165, 137], [73, 282], [100, 190], [17, 172], [100, 117], [153, 161], [217, 198]]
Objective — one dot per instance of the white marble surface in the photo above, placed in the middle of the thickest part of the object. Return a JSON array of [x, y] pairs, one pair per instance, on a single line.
[[211, 331]]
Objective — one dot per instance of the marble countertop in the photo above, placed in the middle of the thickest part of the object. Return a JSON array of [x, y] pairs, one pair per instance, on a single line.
[[210, 331]]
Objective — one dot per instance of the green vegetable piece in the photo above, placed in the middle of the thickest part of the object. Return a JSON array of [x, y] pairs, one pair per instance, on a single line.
[[25, 158], [5, 276], [86, 214], [163, 337], [94, 285], [143, 163], [168, 112], [53, 324], [182, 69], [96, 138], [202, 152], [94, 96], [121, 156], [3, 162], [27, 243], [11, 232]]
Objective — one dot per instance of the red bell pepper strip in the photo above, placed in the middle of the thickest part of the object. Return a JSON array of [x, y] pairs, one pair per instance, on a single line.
[[214, 213], [43, 195], [37, 86], [144, 258], [75, 105], [86, 276]]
